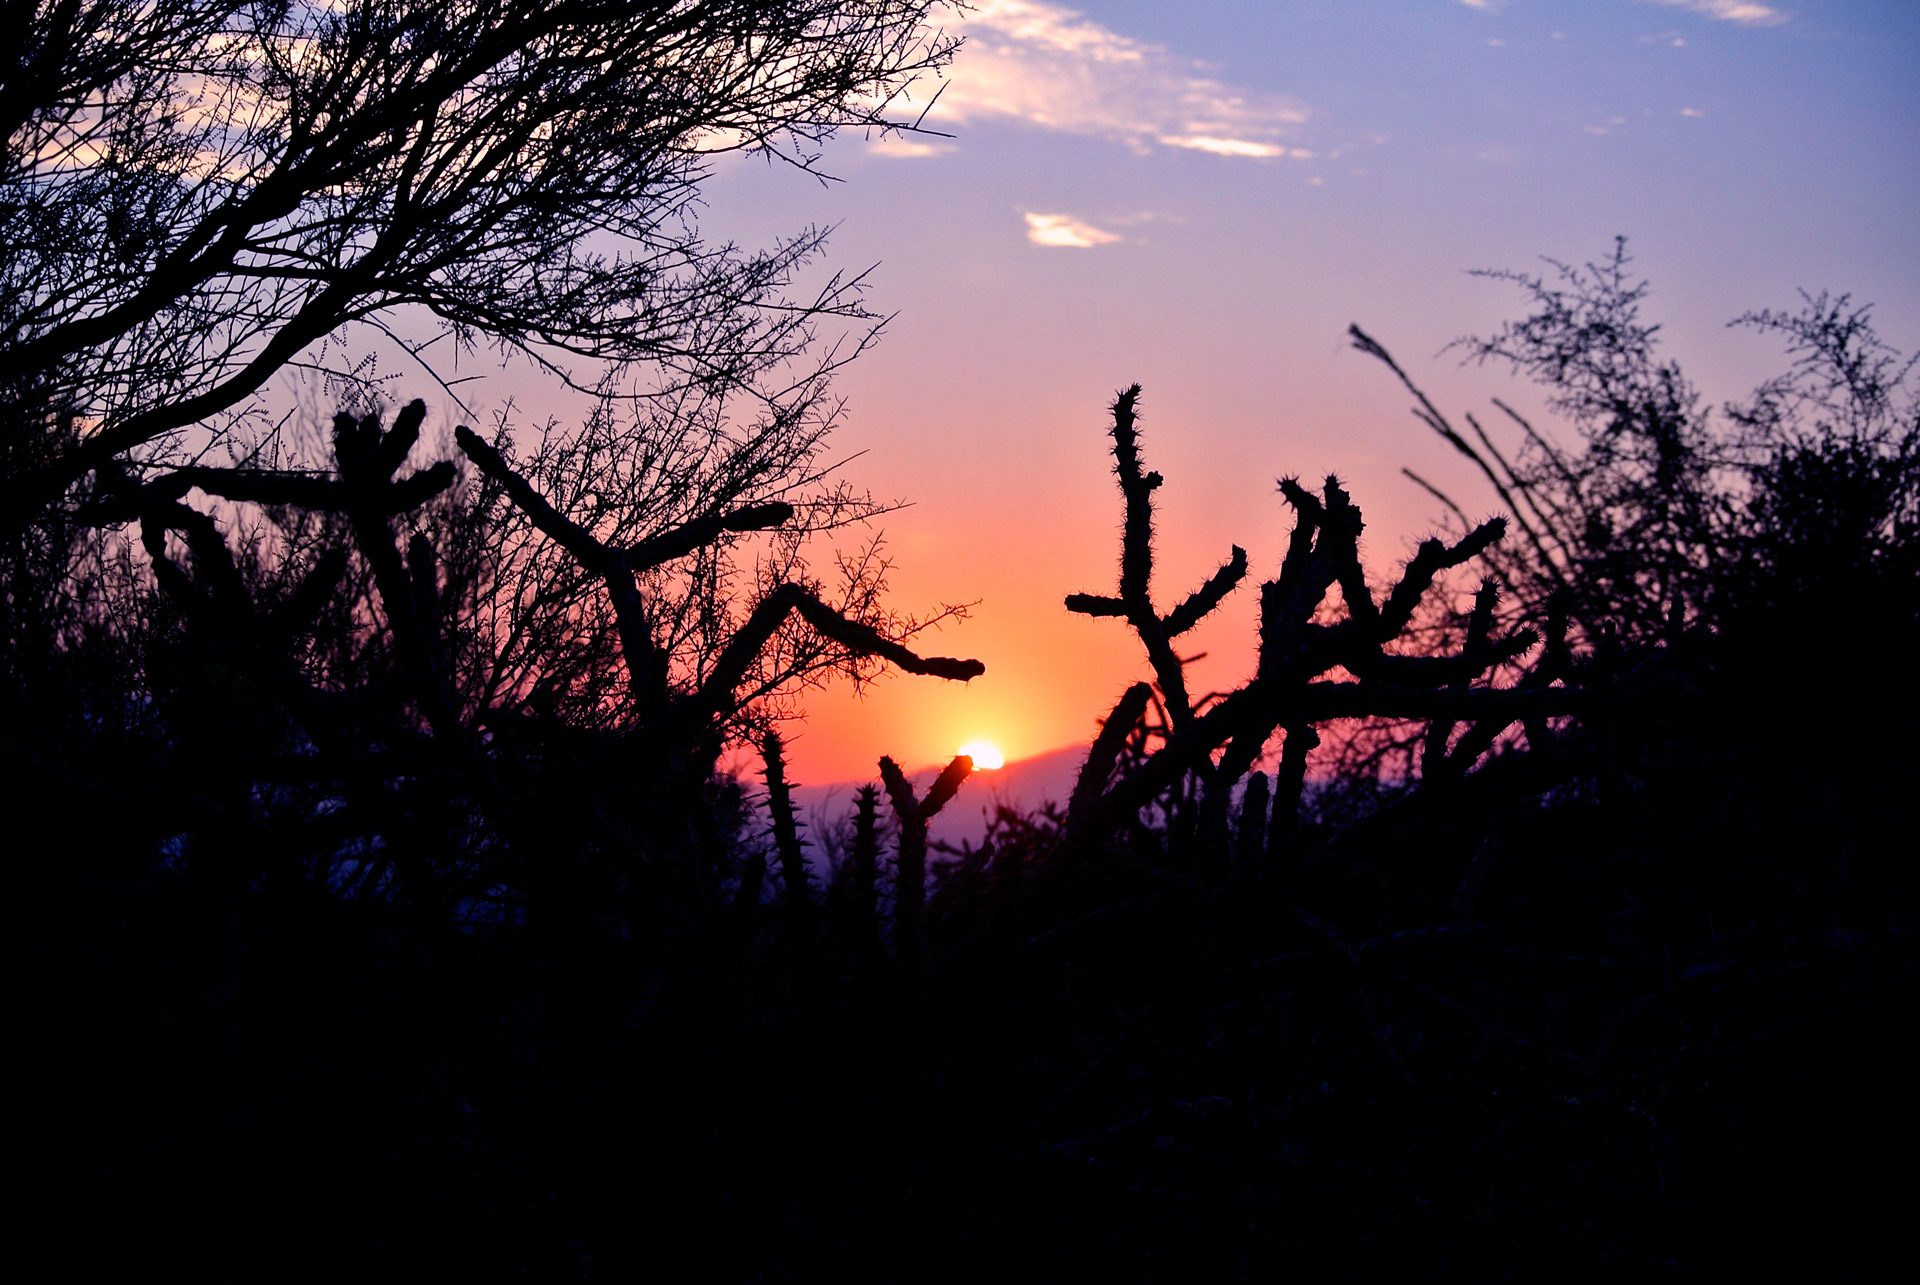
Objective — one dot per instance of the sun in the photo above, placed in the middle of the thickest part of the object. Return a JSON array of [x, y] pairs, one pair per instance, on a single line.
[[983, 754]]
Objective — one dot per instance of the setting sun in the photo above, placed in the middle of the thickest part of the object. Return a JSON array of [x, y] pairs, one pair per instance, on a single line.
[[983, 754]]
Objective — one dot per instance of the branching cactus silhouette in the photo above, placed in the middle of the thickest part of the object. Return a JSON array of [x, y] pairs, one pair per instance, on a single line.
[[910, 874], [525, 777], [686, 717], [214, 595], [1134, 603], [1294, 686]]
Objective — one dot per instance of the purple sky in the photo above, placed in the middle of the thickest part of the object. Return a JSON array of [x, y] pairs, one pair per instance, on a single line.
[[1201, 197]]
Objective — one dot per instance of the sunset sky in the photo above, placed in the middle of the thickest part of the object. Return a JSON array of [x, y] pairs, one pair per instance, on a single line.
[[1201, 197]]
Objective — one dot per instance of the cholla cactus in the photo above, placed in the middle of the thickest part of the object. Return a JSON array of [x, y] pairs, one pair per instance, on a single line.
[[910, 878], [1294, 684], [786, 830], [866, 860]]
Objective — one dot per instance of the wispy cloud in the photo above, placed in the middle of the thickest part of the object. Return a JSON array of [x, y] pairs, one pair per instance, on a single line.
[[1065, 230], [1235, 147], [1744, 12], [894, 145], [1053, 68]]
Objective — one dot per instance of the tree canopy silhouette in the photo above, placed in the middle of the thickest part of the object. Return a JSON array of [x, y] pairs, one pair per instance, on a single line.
[[1763, 522], [198, 196], [1663, 504], [199, 193]]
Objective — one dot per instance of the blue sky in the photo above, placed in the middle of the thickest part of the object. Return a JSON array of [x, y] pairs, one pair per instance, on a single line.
[[1201, 197]]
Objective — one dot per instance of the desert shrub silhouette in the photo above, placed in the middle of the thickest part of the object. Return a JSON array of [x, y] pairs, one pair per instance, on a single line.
[[1663, 514]]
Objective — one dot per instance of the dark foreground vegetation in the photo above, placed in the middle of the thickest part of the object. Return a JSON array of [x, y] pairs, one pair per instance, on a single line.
[[1542, 910], [1616, 983]]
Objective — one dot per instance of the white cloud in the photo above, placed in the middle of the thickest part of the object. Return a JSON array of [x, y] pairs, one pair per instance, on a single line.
[[892, 145], [1744, 12], [1052, 68], [1226, 146], [1065, 230]]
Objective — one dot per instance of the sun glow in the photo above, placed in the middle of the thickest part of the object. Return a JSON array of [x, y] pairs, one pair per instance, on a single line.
[[983, 755]]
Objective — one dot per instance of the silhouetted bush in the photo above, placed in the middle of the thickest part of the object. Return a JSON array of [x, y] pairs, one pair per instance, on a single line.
[[1663, 514]]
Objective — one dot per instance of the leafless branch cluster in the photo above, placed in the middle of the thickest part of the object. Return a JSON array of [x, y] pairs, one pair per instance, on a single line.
[[197, 193], [1657, 514]]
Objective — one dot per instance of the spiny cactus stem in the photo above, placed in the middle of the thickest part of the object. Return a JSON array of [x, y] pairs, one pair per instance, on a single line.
[[945, 786], [786, 830], [866, 855], [1201, 602], [1289, 782], [716, 696], [1251, 845], [1092, 783], [910, 870], [646, 664]]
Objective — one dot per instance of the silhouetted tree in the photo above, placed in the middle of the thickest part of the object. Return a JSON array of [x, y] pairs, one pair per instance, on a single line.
[[197, 194], [503, 675], [1659, 510], [1758, 521]]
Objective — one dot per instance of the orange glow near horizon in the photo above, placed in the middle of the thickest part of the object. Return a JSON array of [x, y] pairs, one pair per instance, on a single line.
[[1222, 277], [1016, 538]]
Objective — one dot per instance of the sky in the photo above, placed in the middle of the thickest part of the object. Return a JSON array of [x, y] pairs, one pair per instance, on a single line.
[[1201, 197]]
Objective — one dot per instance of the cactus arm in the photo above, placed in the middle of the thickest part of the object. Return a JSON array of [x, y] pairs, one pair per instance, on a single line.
[[1203, 600], [941, 792], [1092, 782], [1093, 604], [702, 531]]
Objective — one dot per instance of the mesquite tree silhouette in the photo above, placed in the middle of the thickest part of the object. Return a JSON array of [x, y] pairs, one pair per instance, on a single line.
[[199, 197], [1654, 513], [1662, 510], [199, 193]]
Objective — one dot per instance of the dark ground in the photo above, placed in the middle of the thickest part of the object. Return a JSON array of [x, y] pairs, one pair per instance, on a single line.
[[1647, 1025]]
